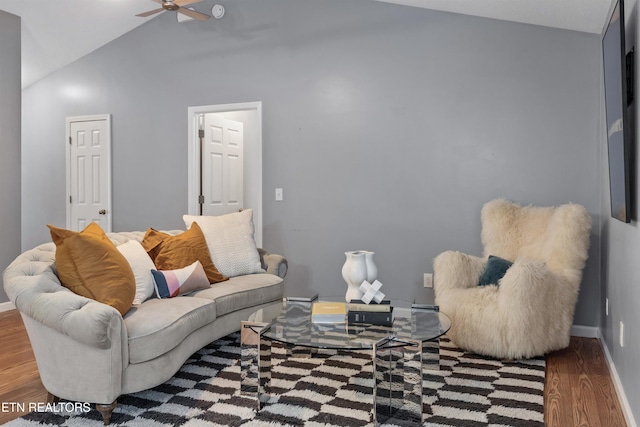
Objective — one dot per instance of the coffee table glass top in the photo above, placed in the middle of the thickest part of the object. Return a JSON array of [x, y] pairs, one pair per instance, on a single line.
[[290, 323]]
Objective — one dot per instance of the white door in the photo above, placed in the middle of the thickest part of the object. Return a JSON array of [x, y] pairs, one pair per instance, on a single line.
[[222, 166], [89, 172]]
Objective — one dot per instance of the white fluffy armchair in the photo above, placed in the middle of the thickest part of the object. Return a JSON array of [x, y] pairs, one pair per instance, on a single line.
[[530, 311]]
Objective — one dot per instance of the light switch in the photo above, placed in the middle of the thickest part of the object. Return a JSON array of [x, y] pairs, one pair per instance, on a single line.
[[278, 194]]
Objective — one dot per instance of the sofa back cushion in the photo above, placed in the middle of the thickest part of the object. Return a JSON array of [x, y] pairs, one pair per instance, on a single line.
[[89, 264]]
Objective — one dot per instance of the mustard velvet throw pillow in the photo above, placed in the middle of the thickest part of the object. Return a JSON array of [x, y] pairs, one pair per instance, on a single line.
[[174, 252], [89, 264]]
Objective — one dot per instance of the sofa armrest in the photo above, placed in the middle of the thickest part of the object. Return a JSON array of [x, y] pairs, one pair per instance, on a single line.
[[531, 287], [72, 370], [540, 304], [456, 270], [273, 263], [84, 320], [34, 288]]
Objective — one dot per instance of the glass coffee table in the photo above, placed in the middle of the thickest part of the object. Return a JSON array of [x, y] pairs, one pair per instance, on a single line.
[[399, 352]]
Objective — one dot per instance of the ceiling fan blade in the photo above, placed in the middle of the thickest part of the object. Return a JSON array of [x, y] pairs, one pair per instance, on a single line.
[[193, 14], [185, 2], [149, 13]]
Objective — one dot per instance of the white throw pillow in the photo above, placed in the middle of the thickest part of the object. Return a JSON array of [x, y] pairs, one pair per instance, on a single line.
[[230, 240], [141, 264]]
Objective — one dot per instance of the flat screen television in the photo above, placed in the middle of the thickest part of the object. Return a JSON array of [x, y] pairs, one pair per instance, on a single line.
[[617, 100]]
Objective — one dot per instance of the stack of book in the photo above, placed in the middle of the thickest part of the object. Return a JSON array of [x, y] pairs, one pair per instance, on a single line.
[[304, 296], [328, 312], [373, 313]]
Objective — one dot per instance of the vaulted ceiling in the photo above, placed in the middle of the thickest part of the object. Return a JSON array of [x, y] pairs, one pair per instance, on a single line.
[[58, 32]]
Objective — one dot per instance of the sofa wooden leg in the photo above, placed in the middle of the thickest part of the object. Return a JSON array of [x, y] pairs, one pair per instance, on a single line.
[[106, 411], [52, 398]]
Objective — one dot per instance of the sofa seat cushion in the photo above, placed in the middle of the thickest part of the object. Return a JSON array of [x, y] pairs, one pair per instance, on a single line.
[[159, 325], [243, 291]]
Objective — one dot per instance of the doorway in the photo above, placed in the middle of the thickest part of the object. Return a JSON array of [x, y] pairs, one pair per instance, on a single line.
[[250, 115]]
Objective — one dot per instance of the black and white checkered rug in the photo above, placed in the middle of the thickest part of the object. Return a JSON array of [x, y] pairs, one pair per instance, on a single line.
[[330, 389]]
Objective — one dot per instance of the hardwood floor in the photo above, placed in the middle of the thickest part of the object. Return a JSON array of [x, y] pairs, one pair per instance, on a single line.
[[19, 378], [578, 387]]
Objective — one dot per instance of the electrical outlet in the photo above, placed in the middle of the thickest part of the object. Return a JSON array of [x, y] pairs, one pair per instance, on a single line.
[[606, 306], [621, 334], [428, 280]]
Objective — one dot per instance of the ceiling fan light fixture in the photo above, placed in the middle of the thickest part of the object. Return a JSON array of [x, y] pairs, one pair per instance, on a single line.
[[170, 5], [177, 6]]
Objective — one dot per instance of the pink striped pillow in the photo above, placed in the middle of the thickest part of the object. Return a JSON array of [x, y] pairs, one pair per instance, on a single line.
[[171, 283]]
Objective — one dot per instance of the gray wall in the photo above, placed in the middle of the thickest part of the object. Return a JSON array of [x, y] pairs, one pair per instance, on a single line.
[[388, 127], [10, 91], [620, 279]]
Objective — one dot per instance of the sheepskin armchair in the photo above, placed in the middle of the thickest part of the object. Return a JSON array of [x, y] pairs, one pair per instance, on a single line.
[[529, 312]]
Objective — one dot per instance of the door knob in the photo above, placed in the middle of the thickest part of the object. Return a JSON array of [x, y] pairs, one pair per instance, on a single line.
[[102, 212]]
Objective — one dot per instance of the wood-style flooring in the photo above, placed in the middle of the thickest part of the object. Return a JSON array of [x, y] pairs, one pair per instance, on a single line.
[[19, 378], [578, 387]]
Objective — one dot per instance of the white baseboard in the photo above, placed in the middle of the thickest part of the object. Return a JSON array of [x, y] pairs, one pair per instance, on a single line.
[[617, 384], [6, 306], [585, 331]]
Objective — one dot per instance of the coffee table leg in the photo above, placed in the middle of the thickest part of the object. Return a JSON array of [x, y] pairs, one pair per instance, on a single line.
[[431, 362], [255, 361], [383, 367], [397, 370], [413, 384]]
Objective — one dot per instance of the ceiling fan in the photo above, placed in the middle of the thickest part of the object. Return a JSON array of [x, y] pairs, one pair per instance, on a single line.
[[176, 5]]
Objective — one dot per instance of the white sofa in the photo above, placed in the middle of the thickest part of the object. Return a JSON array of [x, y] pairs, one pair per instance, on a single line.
[[87, 351]]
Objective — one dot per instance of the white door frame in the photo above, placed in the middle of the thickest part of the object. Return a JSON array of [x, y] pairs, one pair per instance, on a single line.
[[68, 122], [252, 163]]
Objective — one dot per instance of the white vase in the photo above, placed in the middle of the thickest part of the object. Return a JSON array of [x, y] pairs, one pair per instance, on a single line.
[[372, 270], [354, 272]]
